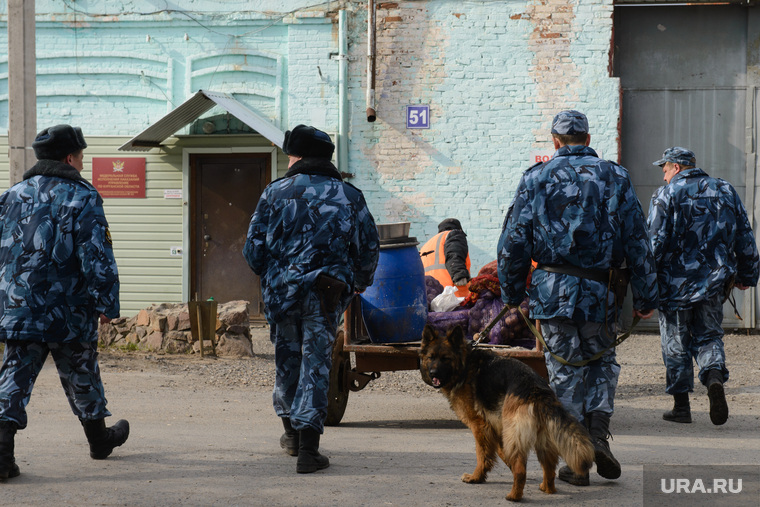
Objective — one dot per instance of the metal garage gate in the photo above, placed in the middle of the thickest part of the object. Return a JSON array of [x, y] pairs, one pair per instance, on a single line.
[[685, 81]]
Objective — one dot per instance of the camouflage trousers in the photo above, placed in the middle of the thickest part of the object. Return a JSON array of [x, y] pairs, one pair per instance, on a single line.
[[581, 389], [77, 364], [303, 341], [694, 333]]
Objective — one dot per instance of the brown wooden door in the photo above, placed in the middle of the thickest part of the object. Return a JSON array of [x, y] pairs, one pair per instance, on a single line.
[[226, 189]]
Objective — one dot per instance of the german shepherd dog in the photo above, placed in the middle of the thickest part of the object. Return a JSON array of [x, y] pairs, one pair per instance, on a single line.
[[508, 407]]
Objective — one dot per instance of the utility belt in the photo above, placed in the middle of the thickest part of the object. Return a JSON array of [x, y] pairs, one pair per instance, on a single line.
[[616, 279]]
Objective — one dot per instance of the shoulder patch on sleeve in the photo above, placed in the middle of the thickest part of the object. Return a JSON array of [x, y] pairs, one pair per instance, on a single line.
[[108, 237]]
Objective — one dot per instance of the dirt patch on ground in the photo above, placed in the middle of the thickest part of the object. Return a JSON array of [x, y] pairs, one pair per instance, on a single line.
[[642, 373]]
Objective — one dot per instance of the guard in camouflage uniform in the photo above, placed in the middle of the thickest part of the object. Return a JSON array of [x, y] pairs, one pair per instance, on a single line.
[[703, 246], [314, 243], [578, 216], [58, 276]]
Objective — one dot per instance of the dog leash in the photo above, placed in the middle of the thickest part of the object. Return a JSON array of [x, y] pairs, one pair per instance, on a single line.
[[479, 337], [620, 339], [732, 301], [729, 296]]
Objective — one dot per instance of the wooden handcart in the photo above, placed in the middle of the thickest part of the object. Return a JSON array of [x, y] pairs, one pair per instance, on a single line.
[[371, 359]]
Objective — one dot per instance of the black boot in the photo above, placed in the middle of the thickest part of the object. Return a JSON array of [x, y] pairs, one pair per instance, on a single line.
[[718, 405], [103, 440], [289, 439], [309, 459], [599, 428], [8, 466], [681, 412], [566, 474]]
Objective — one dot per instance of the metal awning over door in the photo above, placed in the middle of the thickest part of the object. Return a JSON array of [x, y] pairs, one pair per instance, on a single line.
[[192, 109]]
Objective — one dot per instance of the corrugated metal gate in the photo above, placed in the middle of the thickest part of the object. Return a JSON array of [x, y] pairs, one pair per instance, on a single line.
[[684, 76]]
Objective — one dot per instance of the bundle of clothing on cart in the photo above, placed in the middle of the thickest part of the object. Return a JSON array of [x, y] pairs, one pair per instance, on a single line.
[[483, 304]]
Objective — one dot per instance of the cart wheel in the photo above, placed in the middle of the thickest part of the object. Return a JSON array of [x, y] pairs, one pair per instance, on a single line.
[[337, 394]]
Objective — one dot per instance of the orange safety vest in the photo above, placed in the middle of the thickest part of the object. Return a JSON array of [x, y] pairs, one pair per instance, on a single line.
[[434, 262]]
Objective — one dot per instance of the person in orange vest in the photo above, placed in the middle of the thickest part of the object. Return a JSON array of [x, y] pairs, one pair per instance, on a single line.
[[446, 256]]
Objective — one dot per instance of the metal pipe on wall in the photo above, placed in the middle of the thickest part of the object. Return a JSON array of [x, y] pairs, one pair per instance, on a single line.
[[342, 92], [371, 114]]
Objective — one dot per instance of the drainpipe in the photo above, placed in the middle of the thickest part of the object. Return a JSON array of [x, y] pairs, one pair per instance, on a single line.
[[371, 61], [342, 93]]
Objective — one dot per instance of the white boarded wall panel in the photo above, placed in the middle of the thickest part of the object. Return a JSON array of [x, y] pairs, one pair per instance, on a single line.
[[144, 229]]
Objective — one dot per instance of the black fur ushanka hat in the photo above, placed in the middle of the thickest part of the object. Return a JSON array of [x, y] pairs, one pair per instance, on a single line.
[[304, 141], [54, 143]]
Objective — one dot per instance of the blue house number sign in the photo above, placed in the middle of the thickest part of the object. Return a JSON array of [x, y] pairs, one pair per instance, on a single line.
[[418, 117]]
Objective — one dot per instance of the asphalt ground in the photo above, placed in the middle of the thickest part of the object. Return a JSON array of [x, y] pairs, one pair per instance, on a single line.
[[197, 442]]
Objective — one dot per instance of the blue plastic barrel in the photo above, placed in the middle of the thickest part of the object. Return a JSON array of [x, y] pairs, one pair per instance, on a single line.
[[394, 307]]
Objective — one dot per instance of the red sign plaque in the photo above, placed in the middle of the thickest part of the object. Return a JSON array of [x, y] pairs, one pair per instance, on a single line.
[[119, 177]]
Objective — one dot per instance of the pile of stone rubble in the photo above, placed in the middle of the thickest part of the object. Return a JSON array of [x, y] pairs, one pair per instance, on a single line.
[[166, 327]]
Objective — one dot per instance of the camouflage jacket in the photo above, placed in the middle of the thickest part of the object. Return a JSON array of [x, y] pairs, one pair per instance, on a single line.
[[701, 238], [575, 209], [57, 268], [306, 223]]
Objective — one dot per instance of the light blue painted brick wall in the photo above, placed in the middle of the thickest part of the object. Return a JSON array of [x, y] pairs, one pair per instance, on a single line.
[[117, 67], [312, 74], [493, 74], [115, 75]]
